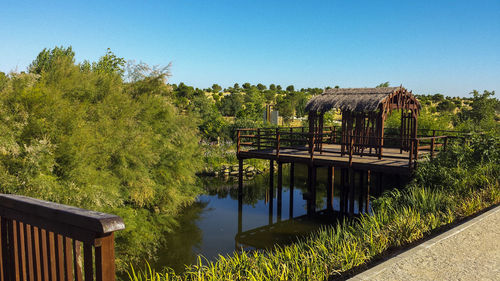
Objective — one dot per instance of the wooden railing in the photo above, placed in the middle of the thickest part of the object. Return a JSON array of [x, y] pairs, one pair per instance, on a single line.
[[298, 138], [44, 241]]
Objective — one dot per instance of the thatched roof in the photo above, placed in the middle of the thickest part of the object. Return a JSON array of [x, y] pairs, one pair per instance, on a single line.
[[353, 99]]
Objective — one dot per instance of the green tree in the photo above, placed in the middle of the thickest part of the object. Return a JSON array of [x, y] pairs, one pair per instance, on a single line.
[[82, 136], [216, 88], [382, 85], [48, 58], [110, 63], [261, 87], [446, 106], [231, 104], [482, 112]]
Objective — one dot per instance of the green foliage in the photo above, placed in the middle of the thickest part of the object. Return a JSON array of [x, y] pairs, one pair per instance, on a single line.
[[84, 137], [427, 120], [49, 58], [459, 182], [446, 105], [482, 113], [383, 85], [216, 88]]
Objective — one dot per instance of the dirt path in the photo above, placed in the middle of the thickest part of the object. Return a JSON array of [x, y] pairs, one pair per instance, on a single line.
[[470, 251]]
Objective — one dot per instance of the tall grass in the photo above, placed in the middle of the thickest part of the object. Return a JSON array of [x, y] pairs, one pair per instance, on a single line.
[[458, 183]]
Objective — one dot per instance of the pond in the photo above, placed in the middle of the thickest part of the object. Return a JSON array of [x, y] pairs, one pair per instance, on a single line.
[[209, 227]]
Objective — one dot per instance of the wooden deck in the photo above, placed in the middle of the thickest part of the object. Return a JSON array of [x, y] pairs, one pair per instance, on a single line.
[[330, 148], [356, 156], [393, 160]]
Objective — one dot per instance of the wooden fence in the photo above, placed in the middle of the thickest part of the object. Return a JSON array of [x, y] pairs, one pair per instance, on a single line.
[[299, 139], [44, 241]]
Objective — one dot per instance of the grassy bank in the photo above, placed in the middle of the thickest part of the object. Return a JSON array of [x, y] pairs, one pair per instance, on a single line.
[[456, 184]]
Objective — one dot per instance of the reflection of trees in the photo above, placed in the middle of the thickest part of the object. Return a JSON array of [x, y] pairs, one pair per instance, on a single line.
[[177, 248], [256, 188]]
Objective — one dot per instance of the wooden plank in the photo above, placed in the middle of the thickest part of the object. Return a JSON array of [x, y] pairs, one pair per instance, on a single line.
[[68, 259], [22, 251], [88, 261], [38, 263], [15, 240], [105, 258], [6, 244], [77, 255], [44, 251], [2, 249], [51, 241], [60, 257], [29, 255]]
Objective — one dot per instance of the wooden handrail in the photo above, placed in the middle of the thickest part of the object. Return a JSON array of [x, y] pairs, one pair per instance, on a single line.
[[285, 138], [42, 240]]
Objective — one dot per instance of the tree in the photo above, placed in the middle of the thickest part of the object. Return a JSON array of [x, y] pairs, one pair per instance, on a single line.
[[383, 85], [82, 136], [290, 88], [48, 58], [437, 98], [216, 88], [253, 105], [109, 63], [272, 87], [261, 87], [446, 105], [481, 115], [3, 80], [246, 86], [286, 107], [231, 104]]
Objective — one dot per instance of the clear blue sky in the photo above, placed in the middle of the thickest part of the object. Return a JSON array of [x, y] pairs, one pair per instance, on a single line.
[[449, 47]]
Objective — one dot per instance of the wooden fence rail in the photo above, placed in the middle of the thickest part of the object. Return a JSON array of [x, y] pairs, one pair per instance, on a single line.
[[45, 241], [278, 139]]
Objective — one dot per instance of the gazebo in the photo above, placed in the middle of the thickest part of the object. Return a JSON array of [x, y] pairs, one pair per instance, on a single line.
[[364, 111]]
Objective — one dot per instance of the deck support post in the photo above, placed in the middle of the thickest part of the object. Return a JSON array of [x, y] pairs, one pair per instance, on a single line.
[[311, 189], [329, 188], [367, 193], [342, 191], [240, 195], [361, 191], [380, 188], [292, 184], [271, 190], [280, 189], [352, 188]]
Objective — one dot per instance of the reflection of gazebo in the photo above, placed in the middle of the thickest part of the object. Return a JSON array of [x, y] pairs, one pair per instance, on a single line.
[[364, 111]]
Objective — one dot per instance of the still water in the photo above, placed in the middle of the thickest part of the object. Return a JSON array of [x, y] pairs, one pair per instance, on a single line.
[[209, 227]]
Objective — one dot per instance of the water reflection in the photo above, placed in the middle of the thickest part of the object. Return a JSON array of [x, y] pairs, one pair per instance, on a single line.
[[217, 225]]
